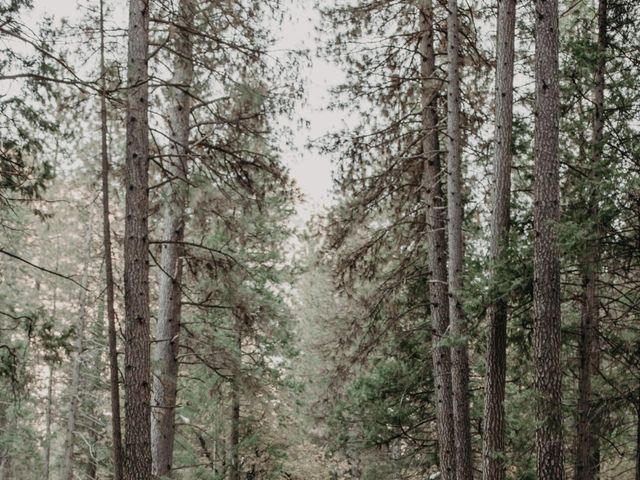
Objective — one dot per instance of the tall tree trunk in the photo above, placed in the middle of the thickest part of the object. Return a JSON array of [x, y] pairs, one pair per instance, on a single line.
[[588, 445], [137, 353], [116, 433], [74, 388], [436, 245], [234, 437], [546, 290], [47, 451], [49, 419], [493, 453], [459, 355], [168, 325]]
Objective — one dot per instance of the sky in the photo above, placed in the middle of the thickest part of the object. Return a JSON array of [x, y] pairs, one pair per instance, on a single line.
[[311, 170]]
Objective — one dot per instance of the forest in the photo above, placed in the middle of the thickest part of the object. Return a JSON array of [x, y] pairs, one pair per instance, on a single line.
[[461, 300]]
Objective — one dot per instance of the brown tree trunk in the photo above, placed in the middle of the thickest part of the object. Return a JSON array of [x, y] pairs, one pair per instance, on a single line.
[[588, 425], [436, 245], [116, 433], [168, 325], [546, 290], [493, 453], [459, 354], [137, 388]]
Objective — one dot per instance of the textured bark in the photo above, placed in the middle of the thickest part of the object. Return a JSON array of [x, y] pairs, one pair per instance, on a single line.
[[116, 433], [587, 435], [493, 453], [74, 388], [137, 388], [459, 355], [546, 289], [170, 277], [436, 245]]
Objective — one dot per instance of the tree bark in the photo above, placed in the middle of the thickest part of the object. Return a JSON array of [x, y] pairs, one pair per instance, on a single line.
[[587, 435], [74, 388], [546, 290], [436, 245], [493, 453], [170, 277], [116, 433], [137, 464], [459, 354]]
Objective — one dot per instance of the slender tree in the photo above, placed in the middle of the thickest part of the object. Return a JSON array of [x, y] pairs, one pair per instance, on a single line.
[[493, 452], [436, 245], [137, 442], [170, 299], [116, 433], [587, 442], [546, 210], [459, 355], [234, 434]]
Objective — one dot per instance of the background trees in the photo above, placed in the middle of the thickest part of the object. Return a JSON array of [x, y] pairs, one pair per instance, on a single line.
[[336, 352]]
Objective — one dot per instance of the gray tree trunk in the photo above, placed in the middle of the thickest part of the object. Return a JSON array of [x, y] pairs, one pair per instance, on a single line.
[[588, 424], [137, 352], [49, 414], [95, 427], [493, 453], [74, 388], [546, 289], [436, 245], [170, 276], [116, 433], [47, 450], [459, 355]]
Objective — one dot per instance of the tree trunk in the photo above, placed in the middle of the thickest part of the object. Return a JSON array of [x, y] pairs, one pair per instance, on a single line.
[[49, 419], [116, 433], [74, 388], [168, 325], [459, 355], [638, 436], [546, 290], [47, 451], [493, 453], [436, 245], [234, 437], [588, 425], [95, 426], [137, 465]]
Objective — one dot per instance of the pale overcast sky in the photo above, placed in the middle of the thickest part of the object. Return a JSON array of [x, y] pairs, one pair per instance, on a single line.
[[311, 170]]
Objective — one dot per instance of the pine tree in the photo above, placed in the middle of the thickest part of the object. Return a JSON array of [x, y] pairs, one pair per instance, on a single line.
[[137, 378], [546, 294]]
